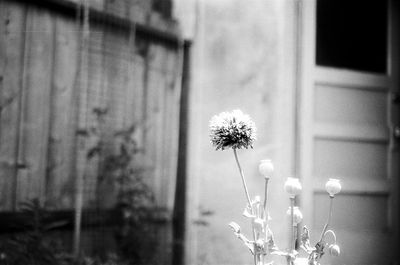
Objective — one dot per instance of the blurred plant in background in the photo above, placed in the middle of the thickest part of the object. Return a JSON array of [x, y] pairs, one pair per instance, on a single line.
[[30, 246], [133, 196], [134, 199], [236, 130], [133, 208]]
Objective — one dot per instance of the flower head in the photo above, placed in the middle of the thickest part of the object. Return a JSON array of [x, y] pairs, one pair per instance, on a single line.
[[232, 130]]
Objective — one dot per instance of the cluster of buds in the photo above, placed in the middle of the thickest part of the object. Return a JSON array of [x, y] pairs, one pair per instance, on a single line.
[[263, 240]]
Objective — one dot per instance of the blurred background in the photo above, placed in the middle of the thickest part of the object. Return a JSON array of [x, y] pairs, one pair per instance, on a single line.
[[105, 155]]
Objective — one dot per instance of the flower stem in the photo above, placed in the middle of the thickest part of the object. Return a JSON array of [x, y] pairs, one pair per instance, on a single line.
[[328, 220], [292, 236], [288, 260], [266, 197], [242, 176], [248, 200]]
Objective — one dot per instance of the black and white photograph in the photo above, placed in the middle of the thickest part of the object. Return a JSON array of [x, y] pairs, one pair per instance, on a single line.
[[199, 132]]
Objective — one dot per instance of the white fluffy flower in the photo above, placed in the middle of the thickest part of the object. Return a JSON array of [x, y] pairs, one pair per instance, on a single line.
[[232, 130]]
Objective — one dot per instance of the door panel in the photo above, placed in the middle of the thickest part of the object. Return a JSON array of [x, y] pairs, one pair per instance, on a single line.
[[355, 160], [350, 105]]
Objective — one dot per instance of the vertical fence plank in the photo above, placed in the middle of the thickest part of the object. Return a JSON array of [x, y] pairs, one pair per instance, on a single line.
[[82, 129], [12, 27], [137, 106], [155, 118], [102, 188], [173, 88], [165, 147], [128, 66], [60, 173], [112, 100], [148, 120], [97, 4], [94, 110], [38, 70], [118, 8], [118, 109], [139, 10], [116, 76]]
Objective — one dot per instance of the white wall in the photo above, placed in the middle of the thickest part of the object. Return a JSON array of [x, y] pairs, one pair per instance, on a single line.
[[242, 58]]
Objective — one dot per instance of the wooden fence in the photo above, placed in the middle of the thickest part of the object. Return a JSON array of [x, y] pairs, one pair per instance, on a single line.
[[69, 83]]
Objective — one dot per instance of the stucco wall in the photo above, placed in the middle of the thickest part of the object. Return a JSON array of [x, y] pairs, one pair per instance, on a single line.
[[242, 58]]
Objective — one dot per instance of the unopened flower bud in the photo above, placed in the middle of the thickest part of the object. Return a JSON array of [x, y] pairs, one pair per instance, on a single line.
[[292, 186], [334, 250], [266, 168], [297, 215], [333, 187]]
